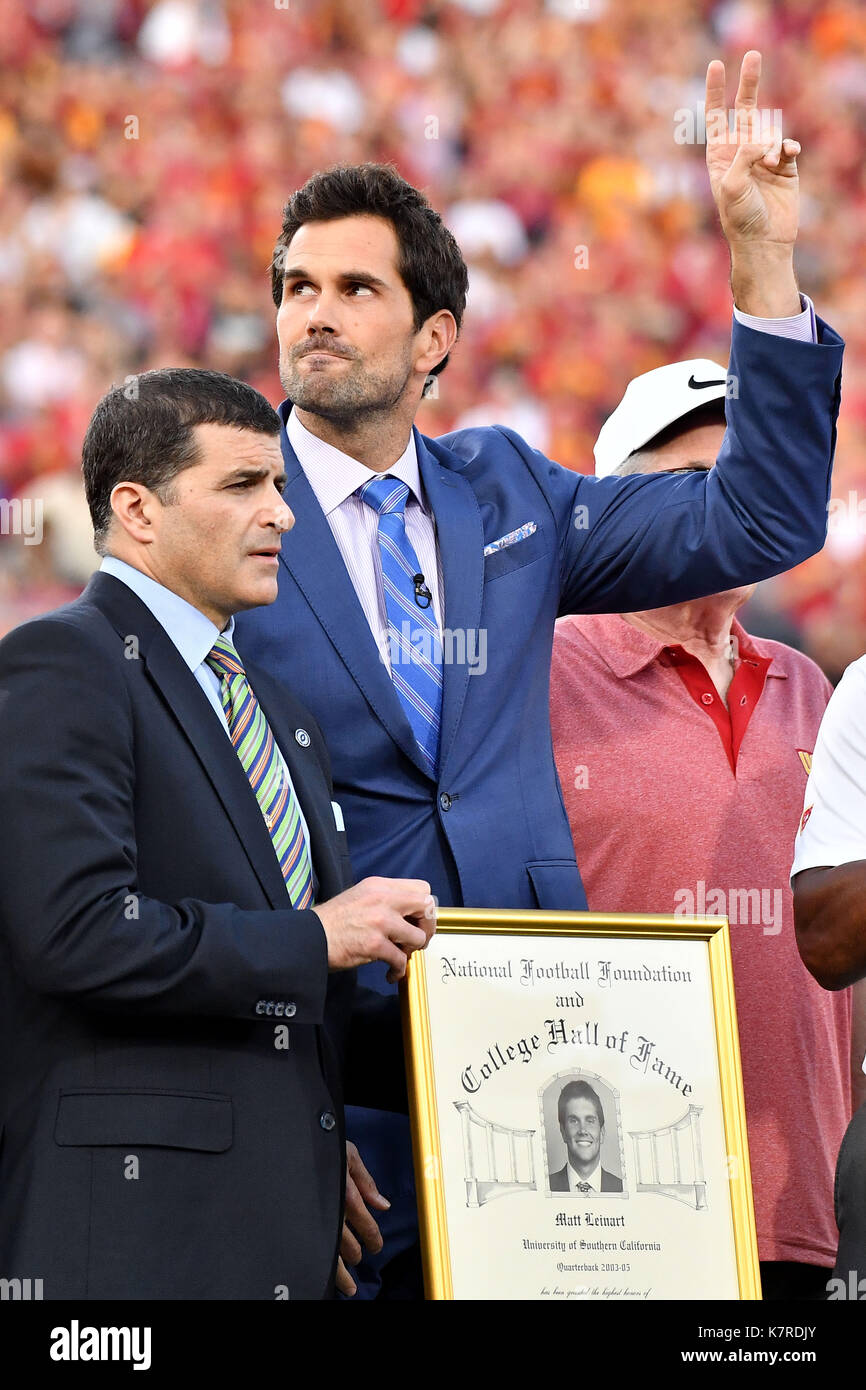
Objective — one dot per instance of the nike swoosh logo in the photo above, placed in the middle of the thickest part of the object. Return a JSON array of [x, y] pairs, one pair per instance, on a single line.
[[696, 385]]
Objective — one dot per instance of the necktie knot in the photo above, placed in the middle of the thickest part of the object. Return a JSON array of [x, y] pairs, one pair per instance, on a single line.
[[223, 659], [385, 495]]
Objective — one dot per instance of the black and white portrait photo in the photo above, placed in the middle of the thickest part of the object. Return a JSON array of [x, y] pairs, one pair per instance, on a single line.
[[583, 1136]]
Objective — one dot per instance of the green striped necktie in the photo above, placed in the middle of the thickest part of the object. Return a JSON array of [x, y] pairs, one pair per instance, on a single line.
[[254, 744]]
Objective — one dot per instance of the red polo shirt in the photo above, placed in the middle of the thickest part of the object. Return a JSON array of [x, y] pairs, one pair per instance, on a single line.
[[679, 805]]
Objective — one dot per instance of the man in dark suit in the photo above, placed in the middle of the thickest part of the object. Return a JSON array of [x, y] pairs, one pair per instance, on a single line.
[[178, 937], [444, 766], [581, 1124]]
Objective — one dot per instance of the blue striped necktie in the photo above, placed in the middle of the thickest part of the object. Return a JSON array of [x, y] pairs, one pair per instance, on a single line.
[[413, 637], [254, 744]]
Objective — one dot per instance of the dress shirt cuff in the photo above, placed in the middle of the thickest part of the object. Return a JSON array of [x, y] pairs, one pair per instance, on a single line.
[[800, 326]]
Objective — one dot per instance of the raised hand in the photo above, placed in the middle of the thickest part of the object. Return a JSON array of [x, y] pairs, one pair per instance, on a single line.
[[753, 175]]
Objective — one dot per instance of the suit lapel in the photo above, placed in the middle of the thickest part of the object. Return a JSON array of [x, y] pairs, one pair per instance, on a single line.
[[460, 538], [182, 693], [312, 557]]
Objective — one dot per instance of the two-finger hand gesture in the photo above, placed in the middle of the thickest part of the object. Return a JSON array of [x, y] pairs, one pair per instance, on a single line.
[[753, 170]]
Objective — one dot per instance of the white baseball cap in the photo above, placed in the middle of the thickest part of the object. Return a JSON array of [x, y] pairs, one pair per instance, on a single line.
[[653, 401]]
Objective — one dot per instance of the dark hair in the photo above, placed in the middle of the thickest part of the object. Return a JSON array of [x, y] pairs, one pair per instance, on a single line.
[[142, 431], [578, 1090], [430, 262]]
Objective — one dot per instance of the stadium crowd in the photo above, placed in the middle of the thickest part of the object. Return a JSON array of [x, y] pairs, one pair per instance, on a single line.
[[146, 151]]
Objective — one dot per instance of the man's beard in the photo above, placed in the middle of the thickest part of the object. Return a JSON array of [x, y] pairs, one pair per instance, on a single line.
[[348, 399]]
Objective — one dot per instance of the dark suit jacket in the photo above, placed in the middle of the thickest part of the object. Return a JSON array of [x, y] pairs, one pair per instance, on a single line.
[[159, 1140], [558, 1182]]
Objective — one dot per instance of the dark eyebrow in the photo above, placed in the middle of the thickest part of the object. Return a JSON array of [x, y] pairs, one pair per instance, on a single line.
[[241, 475], [354, 277]]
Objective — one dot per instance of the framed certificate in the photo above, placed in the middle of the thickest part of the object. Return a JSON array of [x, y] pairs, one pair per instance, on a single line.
[[577, 1108]]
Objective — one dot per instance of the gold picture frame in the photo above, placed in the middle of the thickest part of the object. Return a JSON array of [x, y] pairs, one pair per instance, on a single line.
[[478, 950]]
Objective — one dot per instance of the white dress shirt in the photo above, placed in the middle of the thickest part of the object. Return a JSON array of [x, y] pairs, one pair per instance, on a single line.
[[574, 1178], [801, 326], [334, 478]]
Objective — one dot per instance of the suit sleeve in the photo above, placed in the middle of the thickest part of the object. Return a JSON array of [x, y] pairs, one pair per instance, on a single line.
[[645, 541], [70, 910]]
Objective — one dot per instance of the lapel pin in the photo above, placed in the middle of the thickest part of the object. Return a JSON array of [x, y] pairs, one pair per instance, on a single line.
[[302, 737]]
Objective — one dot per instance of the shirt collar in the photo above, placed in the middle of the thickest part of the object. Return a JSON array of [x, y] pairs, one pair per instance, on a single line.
[[593, 1180], [191, 632], [333, 475], [627, 649]]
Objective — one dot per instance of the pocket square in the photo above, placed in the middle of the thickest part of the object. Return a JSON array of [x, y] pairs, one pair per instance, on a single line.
[[512, 538], [338, 815]]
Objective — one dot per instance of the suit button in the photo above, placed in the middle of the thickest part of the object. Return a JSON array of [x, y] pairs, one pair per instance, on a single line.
[[269, 1007], [302, 737], [260, 1007], [279, 1010], [327, 1120], [291, 1010], [445, 801]]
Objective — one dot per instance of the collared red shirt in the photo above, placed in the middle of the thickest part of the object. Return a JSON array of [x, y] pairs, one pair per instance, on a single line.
[[334, 478], [662, 821], [731, 719]]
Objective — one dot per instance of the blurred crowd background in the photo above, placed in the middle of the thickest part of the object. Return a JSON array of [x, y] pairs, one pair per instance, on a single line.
[[147, 149]]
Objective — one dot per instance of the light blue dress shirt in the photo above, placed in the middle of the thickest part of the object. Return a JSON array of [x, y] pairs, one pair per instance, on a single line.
[[193, 634]]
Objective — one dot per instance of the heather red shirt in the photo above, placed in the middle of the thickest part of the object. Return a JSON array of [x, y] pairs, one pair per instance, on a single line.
[[679, 805]]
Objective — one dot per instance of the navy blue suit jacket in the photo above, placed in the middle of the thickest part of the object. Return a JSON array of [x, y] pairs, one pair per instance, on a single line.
[[492, 830]]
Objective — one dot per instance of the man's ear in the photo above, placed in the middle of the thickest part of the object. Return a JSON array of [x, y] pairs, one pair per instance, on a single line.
[[438, 336], [135, 510]]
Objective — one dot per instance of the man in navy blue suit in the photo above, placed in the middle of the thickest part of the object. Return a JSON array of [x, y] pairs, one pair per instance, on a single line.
[[419, 591]]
